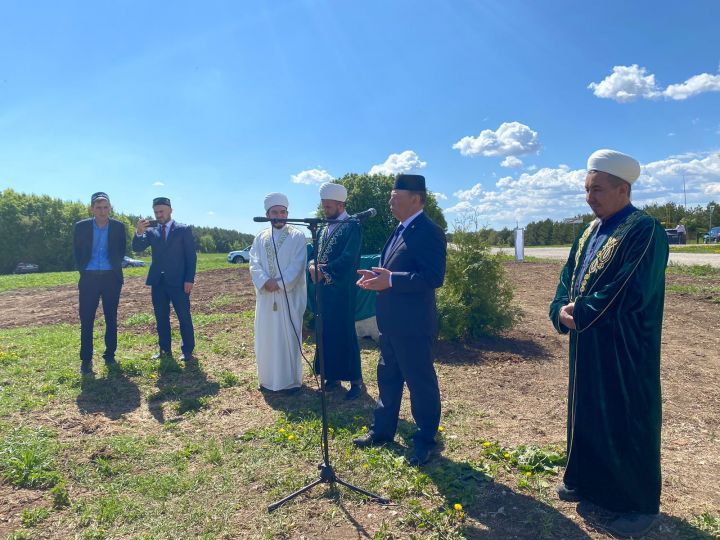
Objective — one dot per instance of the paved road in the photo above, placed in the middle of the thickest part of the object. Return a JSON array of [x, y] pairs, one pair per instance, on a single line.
[[713, 259]]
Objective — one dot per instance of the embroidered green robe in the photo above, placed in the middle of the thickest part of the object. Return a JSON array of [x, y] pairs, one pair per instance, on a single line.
[[614, 403], [339, 253]]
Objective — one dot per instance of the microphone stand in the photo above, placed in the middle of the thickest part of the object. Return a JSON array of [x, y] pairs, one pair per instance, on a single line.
[[327, 473]]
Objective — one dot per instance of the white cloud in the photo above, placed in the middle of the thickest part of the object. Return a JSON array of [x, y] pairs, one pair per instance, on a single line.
[[469, 194], [670, 134], [510, 139], [158, 184], [531, 168], [440, 196], [312, 176], [558, 192], [511, 162], [403, 162], [695, 85], [211, 213], [626, 83], [630, 83]]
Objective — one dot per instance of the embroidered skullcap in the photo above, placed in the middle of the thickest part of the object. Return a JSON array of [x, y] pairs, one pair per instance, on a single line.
[[333, 192], [161, 201], [410, 182], [99, 195], [275, 199], [615, 163]]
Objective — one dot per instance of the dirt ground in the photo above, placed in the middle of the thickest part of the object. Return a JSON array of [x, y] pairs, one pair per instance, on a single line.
[[516, 383]]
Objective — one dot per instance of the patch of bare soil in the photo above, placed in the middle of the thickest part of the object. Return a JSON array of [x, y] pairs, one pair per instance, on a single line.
[[511, 389], [36, 307]]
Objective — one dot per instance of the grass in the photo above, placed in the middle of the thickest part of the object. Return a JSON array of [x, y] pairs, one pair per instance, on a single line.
[[165, 450], [696, 248], [8, 282]]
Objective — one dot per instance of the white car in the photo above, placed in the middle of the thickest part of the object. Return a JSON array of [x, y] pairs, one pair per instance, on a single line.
[[241, 256]]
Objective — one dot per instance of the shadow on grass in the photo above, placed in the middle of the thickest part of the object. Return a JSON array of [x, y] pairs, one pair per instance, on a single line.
[[499, 511], [189, 387], [475, 352], [113, 396]]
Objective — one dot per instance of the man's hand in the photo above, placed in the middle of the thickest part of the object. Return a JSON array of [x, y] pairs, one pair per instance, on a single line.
[[377, 279], [141, 226], [566, 315], [188, 287], [271, 285], [320, 275]]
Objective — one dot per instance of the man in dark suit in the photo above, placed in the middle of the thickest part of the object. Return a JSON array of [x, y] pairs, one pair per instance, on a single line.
[[99, 247], [171, 275], [412, 267]]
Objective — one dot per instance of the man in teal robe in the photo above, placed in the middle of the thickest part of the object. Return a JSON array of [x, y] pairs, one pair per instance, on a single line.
[[610, 300], [337, 260]]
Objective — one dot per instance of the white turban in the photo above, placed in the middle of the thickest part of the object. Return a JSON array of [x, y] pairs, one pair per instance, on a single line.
[[275, 199], [615, 163], [334, 192]]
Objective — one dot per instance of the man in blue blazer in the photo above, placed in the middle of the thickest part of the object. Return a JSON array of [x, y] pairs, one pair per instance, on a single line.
[[99, 247], [171, 275], [411, 268]]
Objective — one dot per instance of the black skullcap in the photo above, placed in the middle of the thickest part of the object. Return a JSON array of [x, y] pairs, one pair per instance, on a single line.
[[161, 200], [99, 195], [411, 182]]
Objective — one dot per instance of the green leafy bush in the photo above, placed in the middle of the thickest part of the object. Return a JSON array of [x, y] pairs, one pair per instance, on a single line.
[[476, 298]]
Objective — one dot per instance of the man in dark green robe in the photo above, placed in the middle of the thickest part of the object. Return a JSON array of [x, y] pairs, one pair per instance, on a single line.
[[610, 300], [337, 260]]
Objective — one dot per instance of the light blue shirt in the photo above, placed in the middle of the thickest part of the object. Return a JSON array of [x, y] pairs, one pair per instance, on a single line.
[[100, 258]]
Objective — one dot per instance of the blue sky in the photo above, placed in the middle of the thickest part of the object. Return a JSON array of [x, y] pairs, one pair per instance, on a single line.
[[498, 104]]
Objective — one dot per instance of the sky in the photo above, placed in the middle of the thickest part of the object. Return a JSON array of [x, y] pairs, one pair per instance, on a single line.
[[498, 104]]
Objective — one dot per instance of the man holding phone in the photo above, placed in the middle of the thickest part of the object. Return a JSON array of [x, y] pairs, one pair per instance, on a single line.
[[171, 275]]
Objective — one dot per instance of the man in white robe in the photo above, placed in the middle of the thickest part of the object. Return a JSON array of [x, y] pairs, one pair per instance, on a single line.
[[278, 330]]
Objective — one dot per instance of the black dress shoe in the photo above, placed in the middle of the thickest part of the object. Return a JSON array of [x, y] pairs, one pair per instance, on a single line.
[[370, 439], [421, 455], [161, 354], [567, 494], [630, 525], [332, 385], [187, 357], [356, 390]]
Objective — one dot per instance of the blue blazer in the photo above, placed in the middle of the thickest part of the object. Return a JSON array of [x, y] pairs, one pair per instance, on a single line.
[[417, 262], [175, 258], [83, 241]]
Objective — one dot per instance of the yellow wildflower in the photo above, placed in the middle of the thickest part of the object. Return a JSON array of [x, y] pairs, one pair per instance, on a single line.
[[441, 428], [458, 507], [487, 443], [291, 437]]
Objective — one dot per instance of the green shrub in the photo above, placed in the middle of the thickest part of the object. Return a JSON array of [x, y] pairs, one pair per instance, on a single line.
[[476, 298]]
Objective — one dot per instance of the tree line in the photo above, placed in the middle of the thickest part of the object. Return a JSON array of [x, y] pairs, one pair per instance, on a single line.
[[39, 229], [547, 232]]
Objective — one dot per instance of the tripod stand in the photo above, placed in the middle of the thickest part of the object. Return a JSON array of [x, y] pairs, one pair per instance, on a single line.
[[327, 473]]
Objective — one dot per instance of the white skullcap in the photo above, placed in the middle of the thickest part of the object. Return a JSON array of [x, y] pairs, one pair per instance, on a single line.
[[334, 192], [275, 199], [615, 163]]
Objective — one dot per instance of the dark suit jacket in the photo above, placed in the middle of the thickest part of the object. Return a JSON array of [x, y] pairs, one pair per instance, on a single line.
[[83, 242], [418, 266], [175, 258]]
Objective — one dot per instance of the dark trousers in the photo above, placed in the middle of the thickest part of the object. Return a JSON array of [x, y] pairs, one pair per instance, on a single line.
[[93, 286], [407, 360], [162, 296]]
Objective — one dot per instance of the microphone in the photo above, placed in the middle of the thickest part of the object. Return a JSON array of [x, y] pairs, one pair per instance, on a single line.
[[264, 219], [362, 216]]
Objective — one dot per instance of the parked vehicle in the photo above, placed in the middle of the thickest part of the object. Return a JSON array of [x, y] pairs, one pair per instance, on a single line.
[[241, 256], [712, 236], [672, 236], [26, 268], [127, 262]]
